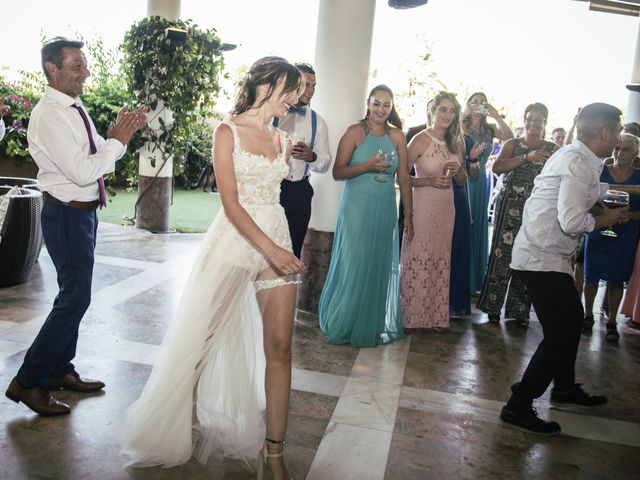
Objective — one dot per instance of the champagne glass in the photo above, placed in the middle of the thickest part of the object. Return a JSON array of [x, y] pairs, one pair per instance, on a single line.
[[614, 199], [381, 177]]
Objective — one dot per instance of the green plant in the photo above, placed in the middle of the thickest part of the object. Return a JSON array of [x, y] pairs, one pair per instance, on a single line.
[[183, 75], [199, 146], [103, 97], [20, 97]]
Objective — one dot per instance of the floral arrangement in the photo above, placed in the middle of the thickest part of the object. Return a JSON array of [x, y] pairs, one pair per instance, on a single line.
[[19, 99]]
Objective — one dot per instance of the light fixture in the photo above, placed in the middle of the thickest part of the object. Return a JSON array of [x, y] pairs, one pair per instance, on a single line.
[[626, 7], [404, 4]]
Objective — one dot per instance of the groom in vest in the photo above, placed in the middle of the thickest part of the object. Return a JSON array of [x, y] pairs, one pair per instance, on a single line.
[[310, 153]]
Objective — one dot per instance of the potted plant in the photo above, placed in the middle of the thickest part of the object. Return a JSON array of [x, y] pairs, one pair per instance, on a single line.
[[177, 79]]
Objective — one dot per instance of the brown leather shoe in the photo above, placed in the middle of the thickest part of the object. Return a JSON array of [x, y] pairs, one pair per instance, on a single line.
[[72, 381], [37, 399]]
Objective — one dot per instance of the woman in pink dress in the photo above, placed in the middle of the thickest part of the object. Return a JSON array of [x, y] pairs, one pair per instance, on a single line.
[[631, 304], [436, 153]]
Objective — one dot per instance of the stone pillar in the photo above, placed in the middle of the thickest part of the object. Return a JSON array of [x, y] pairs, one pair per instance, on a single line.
[[155, 176], [633, 104], [343, 44]]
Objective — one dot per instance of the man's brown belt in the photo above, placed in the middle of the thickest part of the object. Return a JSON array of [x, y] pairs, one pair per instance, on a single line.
[[73, 203]]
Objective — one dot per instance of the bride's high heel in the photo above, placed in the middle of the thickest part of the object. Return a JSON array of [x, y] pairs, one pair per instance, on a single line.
[[264, 456]]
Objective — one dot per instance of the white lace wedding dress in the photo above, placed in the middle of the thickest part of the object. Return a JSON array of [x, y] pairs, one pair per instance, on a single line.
[[206, 393]]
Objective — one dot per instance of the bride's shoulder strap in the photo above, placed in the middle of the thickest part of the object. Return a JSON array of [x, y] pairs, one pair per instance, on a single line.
[[234, 132]]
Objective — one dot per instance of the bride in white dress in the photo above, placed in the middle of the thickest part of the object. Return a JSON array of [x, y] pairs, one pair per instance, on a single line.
[[227, 356]]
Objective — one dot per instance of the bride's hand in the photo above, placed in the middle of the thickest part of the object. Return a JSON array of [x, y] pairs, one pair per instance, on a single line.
[[285, 262]]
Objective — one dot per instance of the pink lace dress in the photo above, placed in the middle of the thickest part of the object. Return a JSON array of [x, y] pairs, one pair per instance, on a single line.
[[425, 261], [631, 305]]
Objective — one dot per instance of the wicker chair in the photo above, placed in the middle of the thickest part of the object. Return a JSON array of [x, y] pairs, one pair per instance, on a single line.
[[19, 182], [24, 182], [21, 236]]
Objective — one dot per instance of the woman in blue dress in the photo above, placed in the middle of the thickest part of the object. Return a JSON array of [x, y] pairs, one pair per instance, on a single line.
[[481, 133], [611, 258], [460, 282], [360, 301]]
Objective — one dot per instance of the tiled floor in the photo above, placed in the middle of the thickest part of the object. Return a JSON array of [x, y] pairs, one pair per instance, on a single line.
[[422, 408]]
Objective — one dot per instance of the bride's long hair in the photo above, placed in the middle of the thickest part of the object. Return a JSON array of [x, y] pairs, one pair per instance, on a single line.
[[266, 71]]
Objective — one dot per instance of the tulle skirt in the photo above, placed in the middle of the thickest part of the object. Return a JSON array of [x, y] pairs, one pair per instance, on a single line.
[[205, 396]]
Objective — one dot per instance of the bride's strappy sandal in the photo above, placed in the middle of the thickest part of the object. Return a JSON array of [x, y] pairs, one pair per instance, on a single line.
[[264, 455]]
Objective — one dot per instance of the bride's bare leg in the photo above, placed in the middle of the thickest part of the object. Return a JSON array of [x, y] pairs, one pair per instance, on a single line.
[[277, 305]]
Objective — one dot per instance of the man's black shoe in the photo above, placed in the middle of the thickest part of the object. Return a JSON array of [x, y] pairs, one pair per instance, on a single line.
[[528, 420], [577, 396]]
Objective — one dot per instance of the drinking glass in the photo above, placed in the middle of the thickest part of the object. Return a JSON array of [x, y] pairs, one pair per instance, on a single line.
[[297, 137], [383, 154], [614, 199]]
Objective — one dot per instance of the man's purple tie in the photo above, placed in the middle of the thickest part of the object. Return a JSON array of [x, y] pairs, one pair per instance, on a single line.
[[102, 191]]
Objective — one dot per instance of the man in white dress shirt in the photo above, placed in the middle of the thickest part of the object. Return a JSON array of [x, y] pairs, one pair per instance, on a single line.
[[310, 153], [72, 158], [558, 212]]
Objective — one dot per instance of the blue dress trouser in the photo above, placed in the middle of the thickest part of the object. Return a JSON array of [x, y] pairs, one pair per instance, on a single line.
[[70, 237], [295, 198]]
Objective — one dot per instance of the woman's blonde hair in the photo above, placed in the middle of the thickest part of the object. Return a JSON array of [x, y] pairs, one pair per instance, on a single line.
[[453, 134]]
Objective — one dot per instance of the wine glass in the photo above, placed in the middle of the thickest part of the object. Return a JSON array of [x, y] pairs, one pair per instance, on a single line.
[[614, 199], [297, 138], [382, 177]]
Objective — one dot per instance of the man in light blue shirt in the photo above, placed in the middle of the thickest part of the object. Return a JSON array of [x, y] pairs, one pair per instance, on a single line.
[[558, 212]]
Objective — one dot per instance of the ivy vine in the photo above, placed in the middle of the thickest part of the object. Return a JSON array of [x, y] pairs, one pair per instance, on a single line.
[[183, 74]]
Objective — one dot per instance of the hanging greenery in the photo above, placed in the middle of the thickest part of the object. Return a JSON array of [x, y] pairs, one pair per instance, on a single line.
[[182, 73]]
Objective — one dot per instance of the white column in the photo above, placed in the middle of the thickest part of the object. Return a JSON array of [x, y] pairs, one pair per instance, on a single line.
[[151, 162], [163, 8], [343, 55], [155, 176], [633, 104]]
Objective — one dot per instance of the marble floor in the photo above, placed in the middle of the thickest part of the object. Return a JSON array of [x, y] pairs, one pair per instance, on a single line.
[[423, 408]]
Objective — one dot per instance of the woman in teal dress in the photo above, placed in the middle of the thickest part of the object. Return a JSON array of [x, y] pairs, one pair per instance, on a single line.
[[481, 133], [360, 301]]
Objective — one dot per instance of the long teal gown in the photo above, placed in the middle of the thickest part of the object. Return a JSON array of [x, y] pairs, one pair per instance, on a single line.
[[360, 301], [479, 203]]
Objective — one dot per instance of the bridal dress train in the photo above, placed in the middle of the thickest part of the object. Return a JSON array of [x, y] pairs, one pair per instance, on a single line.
[[205, 395]]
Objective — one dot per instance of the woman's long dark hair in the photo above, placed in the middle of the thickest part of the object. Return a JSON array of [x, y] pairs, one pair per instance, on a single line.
[[484, 128], [453, 134], [266, 71], [394, 118]]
